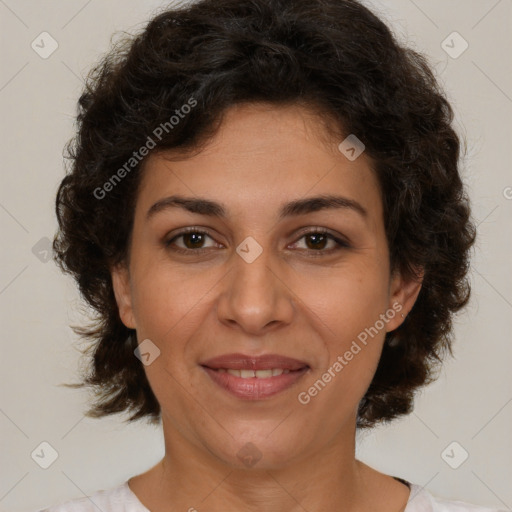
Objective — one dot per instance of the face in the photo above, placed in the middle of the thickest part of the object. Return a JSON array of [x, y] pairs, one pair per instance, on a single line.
[[299, 290]]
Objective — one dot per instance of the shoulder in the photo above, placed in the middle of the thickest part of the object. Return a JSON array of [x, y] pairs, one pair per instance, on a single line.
[[421, 500], [115, 499]]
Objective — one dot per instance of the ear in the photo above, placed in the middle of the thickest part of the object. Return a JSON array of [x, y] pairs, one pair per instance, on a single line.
[[122, 291], [403, 295]]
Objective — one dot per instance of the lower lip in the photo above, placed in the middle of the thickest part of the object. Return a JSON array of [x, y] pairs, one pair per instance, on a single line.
[[254, 388]]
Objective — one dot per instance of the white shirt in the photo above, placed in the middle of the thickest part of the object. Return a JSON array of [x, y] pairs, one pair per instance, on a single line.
[[122, 499]]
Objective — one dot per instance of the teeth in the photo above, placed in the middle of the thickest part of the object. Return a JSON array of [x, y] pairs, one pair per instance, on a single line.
[[263, 374], [259, 374]]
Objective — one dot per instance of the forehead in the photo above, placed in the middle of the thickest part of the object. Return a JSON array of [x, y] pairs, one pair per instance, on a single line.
[[260, 155]]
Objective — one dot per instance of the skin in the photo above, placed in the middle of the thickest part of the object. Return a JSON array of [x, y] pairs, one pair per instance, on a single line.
[[299, 298]]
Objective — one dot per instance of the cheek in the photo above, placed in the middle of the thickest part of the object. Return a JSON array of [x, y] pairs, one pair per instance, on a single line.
[[166, 297], [167, 307], [348, 305], [346, 300], [349, 320]]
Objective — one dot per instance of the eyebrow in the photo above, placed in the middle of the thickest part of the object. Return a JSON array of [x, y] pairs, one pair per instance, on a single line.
[[293, 208]]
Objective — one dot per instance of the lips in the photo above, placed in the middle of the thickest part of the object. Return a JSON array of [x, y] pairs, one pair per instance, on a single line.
[[254, 378]]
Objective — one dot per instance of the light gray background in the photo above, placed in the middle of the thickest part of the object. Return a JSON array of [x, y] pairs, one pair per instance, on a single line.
[[469, 404]]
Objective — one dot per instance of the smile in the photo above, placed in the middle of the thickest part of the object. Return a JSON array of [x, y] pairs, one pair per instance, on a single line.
[[252, 377], [259, 374]]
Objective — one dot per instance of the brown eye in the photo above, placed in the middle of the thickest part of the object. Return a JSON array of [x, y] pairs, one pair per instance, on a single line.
[[317, 241], [191, 240]]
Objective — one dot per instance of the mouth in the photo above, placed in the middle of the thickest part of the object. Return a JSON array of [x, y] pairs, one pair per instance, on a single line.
[[259, 374], [254, 377]]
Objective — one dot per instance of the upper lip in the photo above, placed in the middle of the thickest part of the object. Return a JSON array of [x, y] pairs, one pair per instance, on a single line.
[[247, 362]]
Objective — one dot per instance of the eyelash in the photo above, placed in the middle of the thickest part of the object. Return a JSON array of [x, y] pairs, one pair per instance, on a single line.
[[341, 244]]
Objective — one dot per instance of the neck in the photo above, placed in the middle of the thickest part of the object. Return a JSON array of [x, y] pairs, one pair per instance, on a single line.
[[190, 477]]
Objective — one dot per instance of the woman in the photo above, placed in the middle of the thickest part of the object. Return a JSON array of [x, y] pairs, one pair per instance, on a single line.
[[265, 209]]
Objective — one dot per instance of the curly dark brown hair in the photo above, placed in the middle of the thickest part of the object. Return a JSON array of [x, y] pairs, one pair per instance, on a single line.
[[333, 56]]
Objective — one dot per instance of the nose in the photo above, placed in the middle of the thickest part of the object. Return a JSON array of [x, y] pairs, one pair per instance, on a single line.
[[255, 296]]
